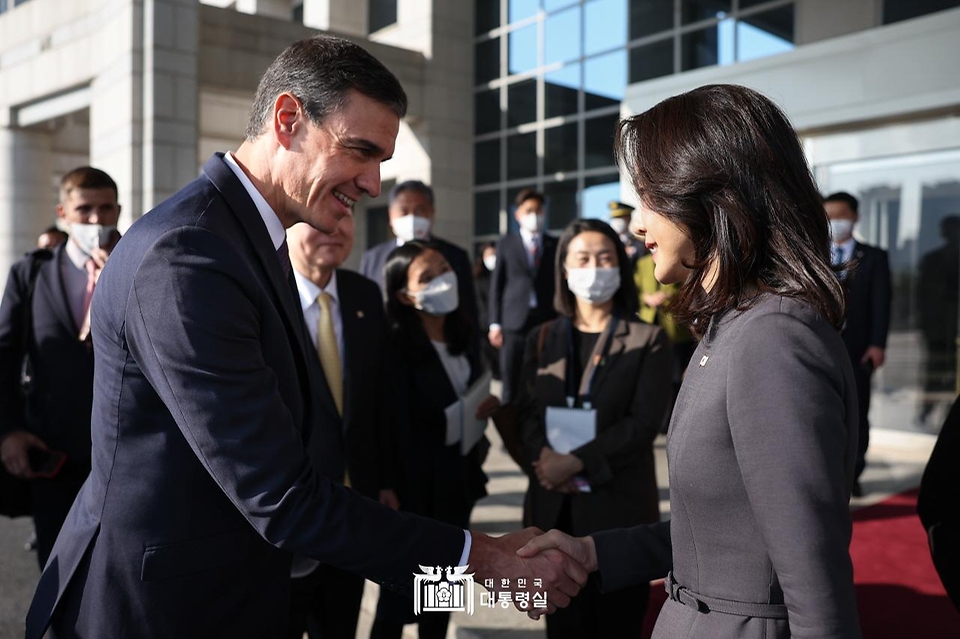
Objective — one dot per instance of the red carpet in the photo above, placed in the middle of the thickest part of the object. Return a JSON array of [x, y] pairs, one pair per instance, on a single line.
[[898, 591]]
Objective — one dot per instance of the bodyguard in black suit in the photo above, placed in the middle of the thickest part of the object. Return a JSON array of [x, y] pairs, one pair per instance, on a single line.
[[351, 438], [201, 486], [54, 413], [522, 287], [866, 277], [412, 214]]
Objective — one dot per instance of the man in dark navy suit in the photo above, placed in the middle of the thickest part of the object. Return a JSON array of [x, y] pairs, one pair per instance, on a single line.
[[412, 215], [522, 287], [201, 489], [866, 277], [352, 435], [54, 412]]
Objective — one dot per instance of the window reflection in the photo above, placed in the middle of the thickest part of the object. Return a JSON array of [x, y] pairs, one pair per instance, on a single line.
[[522, 49], [561, 203], [521, 156], [605, 25], [520, 9], [765, 34], [486, 213], [522, 98], [560, 149], [560, 91], [605, 79], [486, 111], [649, 17], [561, 34], [486, 162], [706, 47], [696, 10], [487, 61], [599, 141], [597, 192], [651, 61]]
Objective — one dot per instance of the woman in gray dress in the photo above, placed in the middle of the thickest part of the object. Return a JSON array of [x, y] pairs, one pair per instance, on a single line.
[[763, 438]]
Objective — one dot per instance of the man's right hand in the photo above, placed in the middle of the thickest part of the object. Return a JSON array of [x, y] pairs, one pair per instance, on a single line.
[[495, 335], [14, 452], [582, 550]]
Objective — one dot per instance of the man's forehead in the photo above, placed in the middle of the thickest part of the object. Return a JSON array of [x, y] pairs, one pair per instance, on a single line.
[[80, 193]]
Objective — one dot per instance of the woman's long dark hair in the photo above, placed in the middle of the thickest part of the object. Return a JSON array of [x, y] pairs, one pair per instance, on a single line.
[[626, 300], [723, 162], [405, 324]]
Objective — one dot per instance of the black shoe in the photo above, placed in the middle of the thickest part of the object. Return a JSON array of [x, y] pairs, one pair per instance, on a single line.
[[857, 489]]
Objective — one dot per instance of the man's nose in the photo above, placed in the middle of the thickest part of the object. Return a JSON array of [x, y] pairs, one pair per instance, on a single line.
[[369, 180]]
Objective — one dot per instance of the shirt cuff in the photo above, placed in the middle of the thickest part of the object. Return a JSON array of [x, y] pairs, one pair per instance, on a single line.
[[468, 542], [495, 327]]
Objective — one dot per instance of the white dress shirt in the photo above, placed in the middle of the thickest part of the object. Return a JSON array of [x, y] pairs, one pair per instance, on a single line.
[[531, 241], [73, 270], [846, 249]]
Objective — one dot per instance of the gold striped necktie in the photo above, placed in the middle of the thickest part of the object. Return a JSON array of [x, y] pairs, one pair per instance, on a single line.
[[328, 351]]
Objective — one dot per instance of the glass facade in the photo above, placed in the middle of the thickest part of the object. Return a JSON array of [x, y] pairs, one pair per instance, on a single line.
[[550, 77], [381, 13]]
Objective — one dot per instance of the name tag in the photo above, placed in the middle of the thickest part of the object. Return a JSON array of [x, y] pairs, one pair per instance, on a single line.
[[570, 428]]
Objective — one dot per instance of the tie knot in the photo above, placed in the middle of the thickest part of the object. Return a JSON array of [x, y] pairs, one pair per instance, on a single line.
[[323, 299]]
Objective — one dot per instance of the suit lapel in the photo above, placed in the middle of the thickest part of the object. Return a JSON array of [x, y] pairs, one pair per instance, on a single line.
[[602, 363], [51, 288]]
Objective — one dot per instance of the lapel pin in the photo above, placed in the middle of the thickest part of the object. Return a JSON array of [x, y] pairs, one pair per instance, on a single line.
[[360, 314], [703, 361]]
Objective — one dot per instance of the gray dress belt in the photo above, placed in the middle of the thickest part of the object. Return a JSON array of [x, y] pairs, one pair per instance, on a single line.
[[704, 604]]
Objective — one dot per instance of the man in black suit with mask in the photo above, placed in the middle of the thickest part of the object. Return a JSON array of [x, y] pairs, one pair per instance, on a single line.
[[866, 277]]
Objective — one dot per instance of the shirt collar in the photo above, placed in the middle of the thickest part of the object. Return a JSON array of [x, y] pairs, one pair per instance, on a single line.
[[310, 291], [270, 219], [528, 237], [847, 246], [77, 257]]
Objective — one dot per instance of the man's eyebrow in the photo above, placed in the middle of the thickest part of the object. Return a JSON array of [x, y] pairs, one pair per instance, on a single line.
[[365, 144]]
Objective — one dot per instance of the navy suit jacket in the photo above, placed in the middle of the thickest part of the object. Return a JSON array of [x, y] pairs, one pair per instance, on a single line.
[[58, 409], [513, 280], [867, 283], [375, 258], [201, 486]]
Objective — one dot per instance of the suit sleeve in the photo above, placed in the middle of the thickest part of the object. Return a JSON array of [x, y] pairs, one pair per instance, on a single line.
[[497, 282], [617, 444], [880, 299], [193, 323], [530, 428], [12, 349], [633, 556], [786, 407]]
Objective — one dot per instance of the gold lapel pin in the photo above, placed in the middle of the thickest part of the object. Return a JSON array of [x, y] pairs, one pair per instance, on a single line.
[[360, 314]]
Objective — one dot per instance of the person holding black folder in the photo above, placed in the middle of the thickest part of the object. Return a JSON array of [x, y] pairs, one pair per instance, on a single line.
[[595, 386], [437, 362]]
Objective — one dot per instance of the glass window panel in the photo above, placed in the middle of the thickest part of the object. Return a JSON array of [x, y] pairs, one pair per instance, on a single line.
[[597, 193], [561, 203], [650, 16], [486, 161], [561, 34], [487, 15], [382, 14], [651, 61], [560, 90], [897, 10], [486, 111], [598, 141], [521, 156], [560, 149], [297, 12], [522, 102], [550, 5], [605, 79], [746, 4], [520, 9], [706, 47], [378, 226], [605, 25], [486, 213], [767, 33], [696, 10], [487, 61], [522, 49]]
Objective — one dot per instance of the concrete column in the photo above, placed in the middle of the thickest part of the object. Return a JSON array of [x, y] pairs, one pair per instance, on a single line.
[[282, 9], [27, 196], [347, 17]]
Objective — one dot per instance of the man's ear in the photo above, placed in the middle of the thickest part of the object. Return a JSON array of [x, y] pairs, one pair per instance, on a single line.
[[60, 212], [287, 118]]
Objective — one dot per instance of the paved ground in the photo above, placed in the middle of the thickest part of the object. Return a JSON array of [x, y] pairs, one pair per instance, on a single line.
[[896, 460]]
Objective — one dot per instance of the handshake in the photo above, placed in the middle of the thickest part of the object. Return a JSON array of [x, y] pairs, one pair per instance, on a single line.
[[558, 562]]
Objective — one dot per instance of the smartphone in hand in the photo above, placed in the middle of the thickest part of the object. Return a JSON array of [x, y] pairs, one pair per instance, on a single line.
[[46, 463]]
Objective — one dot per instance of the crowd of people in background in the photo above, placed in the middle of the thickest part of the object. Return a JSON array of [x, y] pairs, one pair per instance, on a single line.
[[621, 324]]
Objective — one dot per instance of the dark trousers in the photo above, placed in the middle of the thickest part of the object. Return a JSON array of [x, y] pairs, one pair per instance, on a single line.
[[52, 499], [325, 604], [862, 374], [594, 614]]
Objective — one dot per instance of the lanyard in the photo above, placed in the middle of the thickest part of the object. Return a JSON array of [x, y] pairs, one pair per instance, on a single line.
[[598, 361]]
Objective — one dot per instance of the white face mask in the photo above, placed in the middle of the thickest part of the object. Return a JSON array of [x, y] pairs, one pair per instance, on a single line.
[[594, 285], [841, 230], [532, 222], [411, 227], [439, 296], [490, 261], [91, 236], [619, 225]]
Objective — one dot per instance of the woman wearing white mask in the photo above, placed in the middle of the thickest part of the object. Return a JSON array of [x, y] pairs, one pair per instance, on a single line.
[[598, 371], [437, 361]]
